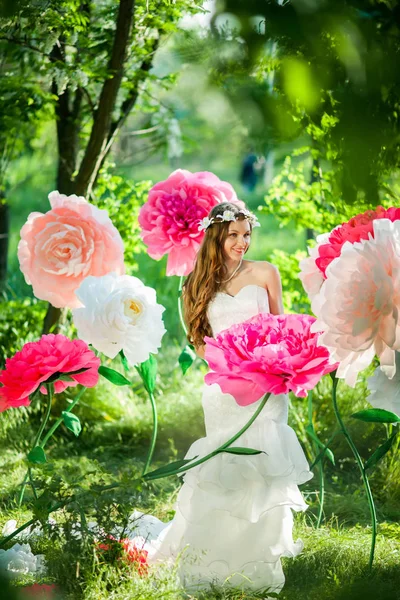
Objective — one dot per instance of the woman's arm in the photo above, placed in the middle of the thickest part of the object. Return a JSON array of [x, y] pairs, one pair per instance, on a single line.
[[274, 288], [200, 350], [269, 276]]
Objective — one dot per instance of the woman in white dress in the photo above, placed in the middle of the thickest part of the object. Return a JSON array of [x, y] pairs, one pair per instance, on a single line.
[[233, 517]]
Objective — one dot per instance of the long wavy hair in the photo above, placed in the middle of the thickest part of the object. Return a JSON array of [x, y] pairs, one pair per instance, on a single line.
[[209, 271]]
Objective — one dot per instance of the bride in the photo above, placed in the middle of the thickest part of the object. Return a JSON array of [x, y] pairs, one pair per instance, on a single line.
[[233, 519]]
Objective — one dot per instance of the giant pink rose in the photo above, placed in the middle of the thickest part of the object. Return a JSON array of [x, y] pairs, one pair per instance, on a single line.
[[170, 217], [60, 248], [267, 353], [38, 361]]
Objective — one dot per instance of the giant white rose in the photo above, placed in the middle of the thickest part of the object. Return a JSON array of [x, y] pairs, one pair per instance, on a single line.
[[385, 392], [119, 313], [358, 306]]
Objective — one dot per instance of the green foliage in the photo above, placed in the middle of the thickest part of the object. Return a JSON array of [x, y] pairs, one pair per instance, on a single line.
[[122, 198], [295, 299], [20, 322], [330, 66]]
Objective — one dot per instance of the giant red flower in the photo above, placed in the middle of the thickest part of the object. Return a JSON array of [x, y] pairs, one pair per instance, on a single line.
[[267, 353], [170, 218], [127, 550], [39, 361]]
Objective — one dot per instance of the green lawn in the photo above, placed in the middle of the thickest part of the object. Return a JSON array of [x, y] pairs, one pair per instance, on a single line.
[[112, 448]]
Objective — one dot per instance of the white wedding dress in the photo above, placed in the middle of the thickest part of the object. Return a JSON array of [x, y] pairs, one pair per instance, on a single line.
[[234, 516]]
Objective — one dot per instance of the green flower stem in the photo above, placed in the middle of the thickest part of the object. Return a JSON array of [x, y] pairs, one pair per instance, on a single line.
[[180, 311], [57, 423], [321, 493], [321, 477], [50, 390], [218, 450], [154, 433], [362, 470], [32, 483]]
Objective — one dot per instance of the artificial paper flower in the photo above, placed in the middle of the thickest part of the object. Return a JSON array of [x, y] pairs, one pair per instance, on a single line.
[[170, 218], [60, 248], [129, 550], [358, 306], [38, 361], [119, 313], [19, 560], [267, 353], [385, 392], [313, 269]]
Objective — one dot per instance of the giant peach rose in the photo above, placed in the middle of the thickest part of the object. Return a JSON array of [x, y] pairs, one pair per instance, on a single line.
[[170, 218], [60, 248]]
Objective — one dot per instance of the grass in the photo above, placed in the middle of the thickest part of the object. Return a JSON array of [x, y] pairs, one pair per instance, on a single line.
[[112, 447]]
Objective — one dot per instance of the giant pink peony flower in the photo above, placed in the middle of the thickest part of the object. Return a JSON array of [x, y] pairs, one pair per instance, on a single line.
[[358, 306], [38, 361], [267, 353], [329, 246], [60, 248], [170, 217]]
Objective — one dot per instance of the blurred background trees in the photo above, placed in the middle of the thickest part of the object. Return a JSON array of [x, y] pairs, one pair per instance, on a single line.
[[302, 96]]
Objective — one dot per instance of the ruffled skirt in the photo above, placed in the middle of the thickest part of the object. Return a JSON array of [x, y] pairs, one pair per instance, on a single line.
[[234, 518]]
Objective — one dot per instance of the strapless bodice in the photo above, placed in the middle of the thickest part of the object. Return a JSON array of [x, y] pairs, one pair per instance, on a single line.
[[225, 310]]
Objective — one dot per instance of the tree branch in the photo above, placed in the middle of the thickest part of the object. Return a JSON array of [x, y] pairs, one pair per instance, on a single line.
[[22, 43], [103, 116]]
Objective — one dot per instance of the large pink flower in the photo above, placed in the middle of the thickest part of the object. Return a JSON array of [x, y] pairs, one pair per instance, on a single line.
[[60, 248], [38, 361], [170, 217], [267, 353], [329, 246], [358, 305]]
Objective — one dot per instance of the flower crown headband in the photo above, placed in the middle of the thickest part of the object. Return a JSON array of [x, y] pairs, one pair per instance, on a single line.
[[229, 215]]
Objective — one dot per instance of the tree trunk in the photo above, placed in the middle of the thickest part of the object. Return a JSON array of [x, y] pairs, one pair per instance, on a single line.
[[67, 128], [97, 144], [4, 233]]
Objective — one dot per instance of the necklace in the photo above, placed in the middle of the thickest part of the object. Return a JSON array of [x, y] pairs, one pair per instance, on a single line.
[[233, 273]]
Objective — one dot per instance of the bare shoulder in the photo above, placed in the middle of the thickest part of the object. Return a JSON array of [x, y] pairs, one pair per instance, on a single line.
[[265, 272]]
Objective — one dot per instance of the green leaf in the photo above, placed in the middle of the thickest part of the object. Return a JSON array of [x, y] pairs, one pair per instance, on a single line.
[[329, 454], [65, 376], [380, 452], [113, 376], [186, 358], [72, 422], [124, 360], [238, 450], [169, 468], [37, 456], [376, 415], [148, 373]]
